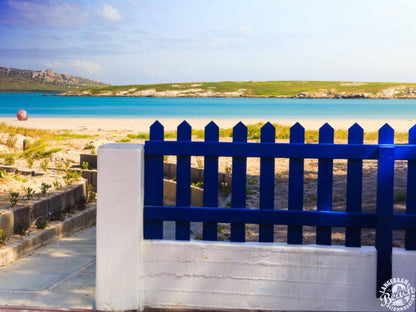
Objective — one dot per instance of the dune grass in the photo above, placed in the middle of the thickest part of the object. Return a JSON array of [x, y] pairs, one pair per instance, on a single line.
[[282, 133], [29, 132]]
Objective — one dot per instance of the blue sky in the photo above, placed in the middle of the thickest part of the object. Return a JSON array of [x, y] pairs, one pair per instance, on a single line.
[[156, 41]]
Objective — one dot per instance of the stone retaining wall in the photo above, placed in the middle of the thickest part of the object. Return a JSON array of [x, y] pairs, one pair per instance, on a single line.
[[43, 207]]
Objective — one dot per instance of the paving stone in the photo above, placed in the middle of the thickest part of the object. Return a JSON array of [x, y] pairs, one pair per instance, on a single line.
[[60, 275], [65, 301], [17, 297], [28, 280]]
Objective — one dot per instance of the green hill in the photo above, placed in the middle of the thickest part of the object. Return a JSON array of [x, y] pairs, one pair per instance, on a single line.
[[291, 89], [20, 80]]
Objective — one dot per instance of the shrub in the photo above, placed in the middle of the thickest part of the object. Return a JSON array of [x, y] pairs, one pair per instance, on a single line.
[[57, 185], [85, 165], [68, 178], [67, 164], [200, 162], [76, 175], [198, 184], [29, 192], [57, 215], [22, 228], [59, 166], [91, 147], [92, 196], [44, 164], [3, 236], [30, 162], [44, 187], [399, 197], [9, 160], [13, 198], [42, 223], [69, 209], [3, 173], [11, 140], [19, 178]]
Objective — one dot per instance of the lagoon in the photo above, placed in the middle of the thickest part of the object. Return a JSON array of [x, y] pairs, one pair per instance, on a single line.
[[38, 105]]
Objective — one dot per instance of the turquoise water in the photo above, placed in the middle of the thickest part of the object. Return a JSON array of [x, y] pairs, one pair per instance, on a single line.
[[38, 105]]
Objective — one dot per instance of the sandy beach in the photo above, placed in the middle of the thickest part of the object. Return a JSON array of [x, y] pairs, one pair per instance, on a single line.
[[143, 124], [95, 132]]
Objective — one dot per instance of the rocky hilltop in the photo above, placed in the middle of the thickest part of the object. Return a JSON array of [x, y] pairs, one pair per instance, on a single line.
[[20, 80], [258, 89]]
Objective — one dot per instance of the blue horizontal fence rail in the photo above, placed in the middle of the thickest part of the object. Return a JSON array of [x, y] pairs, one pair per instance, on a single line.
[[353, 219]]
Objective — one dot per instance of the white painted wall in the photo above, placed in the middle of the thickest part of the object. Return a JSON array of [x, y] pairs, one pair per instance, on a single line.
[[265, 276], [119, 226], [132, 272]]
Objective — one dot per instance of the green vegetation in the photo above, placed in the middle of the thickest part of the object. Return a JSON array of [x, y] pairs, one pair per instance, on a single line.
[[65, 136], [44, 188], [29, 192], [41, 223], [20, 80], [44, 165], [399, 197], [38, 150], [3, 236], [198, 184], [19, 178], [9, 159], [13, 198], [263, 89], [22, 228], [57, 185], [282, 133], [92, 196], [29, 132]]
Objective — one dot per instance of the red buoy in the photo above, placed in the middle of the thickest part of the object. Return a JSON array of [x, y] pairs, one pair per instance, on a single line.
[[22, 115]]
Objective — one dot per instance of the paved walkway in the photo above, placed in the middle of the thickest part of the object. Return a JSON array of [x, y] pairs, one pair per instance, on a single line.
[[60, 275]]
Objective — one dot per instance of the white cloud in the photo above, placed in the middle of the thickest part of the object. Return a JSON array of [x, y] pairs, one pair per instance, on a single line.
[[86, 66], [245, 30], [75, 67], [110, 13], [43, 13]]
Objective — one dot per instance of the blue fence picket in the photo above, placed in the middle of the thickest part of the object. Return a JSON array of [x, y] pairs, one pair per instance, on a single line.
[[153, 175], [183, 182], [410, 235], [268, 135], [354, 186], [296, 180], [325, 176], [238, 187], [209, 231], [385, 187]]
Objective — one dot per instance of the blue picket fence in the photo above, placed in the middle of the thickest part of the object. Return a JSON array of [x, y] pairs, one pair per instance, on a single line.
[[353, 219]]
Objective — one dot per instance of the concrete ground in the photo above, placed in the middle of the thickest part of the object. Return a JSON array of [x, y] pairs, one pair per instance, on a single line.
[[59, 275]]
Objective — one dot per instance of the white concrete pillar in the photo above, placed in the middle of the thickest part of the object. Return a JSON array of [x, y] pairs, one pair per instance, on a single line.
[[119, 226]]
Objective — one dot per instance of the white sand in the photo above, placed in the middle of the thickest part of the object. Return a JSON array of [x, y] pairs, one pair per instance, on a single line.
[[143, 124]]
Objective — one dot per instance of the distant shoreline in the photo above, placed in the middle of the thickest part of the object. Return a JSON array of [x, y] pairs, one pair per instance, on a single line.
[[143, 124], [260, 89], [244, 97]]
